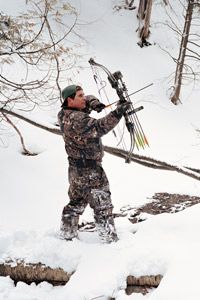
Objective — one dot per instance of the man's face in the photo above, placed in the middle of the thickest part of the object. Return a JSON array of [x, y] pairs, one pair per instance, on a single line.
[[78, 101]]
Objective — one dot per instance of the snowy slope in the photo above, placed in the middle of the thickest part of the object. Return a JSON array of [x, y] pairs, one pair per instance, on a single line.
[[34, 189]]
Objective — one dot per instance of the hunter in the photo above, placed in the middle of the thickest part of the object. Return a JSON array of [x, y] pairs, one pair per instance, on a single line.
[[88, 183]]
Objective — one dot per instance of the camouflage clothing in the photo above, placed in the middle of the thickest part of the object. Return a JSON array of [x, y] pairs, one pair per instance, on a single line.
[[89, 185], [88, 182], [82, 134]]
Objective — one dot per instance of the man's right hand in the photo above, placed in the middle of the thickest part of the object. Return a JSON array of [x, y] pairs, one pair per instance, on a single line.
[[122, 108]]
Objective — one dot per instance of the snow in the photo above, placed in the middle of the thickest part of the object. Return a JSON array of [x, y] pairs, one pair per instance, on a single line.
[[34, 189]]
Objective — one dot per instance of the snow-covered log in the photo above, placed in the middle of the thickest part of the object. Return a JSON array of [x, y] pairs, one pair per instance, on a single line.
[[20, 271], [149, 280], [142, 284]]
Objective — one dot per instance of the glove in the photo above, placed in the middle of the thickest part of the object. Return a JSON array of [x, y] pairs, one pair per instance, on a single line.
[[99, 107], [121, 109], [93, 103], [90, 98]]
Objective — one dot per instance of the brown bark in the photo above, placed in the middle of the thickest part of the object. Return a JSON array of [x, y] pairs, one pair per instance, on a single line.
[[34, 273], [151, 281], [142, 284], [175, 98], [144, 16]]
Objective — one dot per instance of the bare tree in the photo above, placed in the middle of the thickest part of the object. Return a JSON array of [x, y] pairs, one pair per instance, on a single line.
[[37, 53], [144, 16], [175, 97]]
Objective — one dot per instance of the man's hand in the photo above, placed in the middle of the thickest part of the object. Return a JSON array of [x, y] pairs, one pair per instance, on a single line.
[[122, 108], [99, 107], [94, 104]]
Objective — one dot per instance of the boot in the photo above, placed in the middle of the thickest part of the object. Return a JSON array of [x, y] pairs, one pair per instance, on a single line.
[[69, 227], [105, 226]]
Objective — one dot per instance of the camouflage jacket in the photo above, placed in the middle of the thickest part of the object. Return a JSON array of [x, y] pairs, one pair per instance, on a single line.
[[82, 133]]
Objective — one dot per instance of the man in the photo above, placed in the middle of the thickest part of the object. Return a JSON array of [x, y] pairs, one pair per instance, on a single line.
[[88, 182]]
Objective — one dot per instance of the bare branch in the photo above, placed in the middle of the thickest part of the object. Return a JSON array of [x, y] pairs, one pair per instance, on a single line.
[[195, 44], [196, 53], [25, 150]]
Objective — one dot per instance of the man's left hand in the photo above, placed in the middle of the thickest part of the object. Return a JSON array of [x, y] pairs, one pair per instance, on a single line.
[[99, 107], [94, 104]]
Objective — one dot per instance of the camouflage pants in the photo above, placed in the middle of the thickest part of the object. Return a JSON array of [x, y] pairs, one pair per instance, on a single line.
[[89, 186]]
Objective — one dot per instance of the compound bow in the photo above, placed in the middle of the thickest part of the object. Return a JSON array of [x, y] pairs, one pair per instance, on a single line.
[[137, 136]]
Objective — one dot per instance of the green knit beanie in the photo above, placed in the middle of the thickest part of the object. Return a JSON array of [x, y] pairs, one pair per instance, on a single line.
[[68, 91]]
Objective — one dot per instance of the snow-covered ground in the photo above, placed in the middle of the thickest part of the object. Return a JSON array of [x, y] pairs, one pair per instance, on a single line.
[[34, 189]]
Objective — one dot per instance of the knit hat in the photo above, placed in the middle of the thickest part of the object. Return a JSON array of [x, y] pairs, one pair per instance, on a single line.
[[68, 91]]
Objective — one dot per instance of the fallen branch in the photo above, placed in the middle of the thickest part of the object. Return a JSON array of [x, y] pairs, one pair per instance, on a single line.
[[143, 160], [156, 163]]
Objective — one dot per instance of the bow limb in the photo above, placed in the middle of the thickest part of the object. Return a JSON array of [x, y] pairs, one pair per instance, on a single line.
[[93, 63]]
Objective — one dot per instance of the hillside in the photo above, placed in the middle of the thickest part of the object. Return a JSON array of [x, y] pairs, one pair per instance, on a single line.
[[34, 188]]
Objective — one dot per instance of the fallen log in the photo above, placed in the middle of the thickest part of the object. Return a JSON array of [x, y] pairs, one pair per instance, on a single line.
[[142, 284], [28, 273], [150, 280], [37, 273]]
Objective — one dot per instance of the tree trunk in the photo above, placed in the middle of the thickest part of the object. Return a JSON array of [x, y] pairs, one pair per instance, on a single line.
[[144, 15], [175, 98]]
